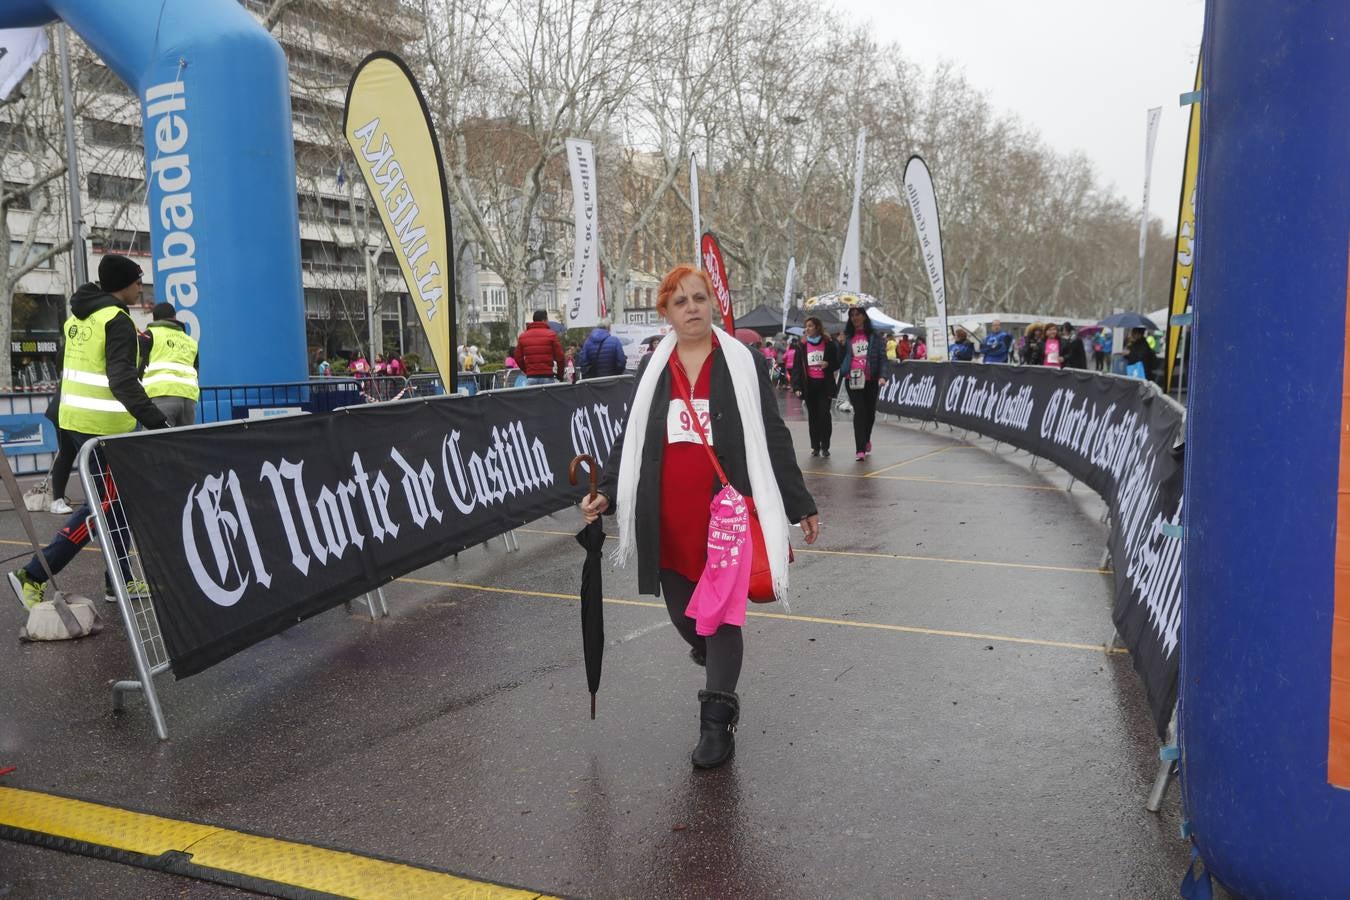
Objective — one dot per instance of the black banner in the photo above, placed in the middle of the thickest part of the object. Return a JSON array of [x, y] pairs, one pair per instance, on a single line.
[[1121, 437], [247, 528]]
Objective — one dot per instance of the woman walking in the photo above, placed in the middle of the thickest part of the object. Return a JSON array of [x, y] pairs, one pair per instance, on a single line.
[[660, 482], [863, 364], [815, 364]]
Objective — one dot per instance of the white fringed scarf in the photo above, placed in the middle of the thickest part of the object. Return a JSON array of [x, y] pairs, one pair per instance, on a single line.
[[763, 485]]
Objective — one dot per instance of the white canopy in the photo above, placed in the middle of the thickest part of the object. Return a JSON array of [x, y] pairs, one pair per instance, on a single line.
[[885, 322]]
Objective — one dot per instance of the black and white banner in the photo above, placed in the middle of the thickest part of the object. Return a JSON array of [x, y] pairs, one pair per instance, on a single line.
[[1120, 436], [585, 308], [247, 528]]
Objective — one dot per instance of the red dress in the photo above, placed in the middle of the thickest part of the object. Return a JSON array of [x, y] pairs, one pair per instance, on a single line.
[[688, 482]]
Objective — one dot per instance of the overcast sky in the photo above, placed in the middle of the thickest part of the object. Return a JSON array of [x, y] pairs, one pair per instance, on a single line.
[[1082, 72]]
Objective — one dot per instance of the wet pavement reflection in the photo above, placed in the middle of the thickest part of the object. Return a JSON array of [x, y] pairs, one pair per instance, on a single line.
[[932, 721]]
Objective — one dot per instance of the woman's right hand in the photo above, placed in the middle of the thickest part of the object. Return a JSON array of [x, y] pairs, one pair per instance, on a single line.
[[593, 508]]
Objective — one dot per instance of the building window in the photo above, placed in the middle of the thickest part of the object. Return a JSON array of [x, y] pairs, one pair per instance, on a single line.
[[13, 137], [315, 114], [18, 195], [324, 256], [96, 77], [133, 243], [114, 187], [309, 66], [113, 134], [18, 258], [337, 210], [311, 159]]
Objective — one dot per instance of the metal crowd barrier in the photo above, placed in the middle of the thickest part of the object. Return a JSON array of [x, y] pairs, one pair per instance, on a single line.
[[431, 385], [224, 403], [107, 519], [108, 525]]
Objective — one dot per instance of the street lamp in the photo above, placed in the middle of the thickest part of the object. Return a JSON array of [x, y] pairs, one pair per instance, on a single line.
[[375, 331]]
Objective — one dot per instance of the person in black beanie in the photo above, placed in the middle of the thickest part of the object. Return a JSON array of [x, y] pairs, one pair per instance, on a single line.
[[101, 395]]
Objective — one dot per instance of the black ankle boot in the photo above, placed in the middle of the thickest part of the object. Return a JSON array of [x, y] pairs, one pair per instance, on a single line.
[[718, 715]]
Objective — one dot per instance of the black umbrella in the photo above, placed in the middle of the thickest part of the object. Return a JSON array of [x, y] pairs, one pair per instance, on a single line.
[[592, 537], [912, 331], [1128, 320]]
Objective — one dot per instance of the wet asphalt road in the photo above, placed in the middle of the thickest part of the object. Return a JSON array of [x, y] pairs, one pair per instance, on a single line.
[[875, 757]]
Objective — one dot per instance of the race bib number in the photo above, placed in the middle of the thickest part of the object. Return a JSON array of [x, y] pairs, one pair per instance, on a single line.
[[815, 359], [680, 427], [860, 348]]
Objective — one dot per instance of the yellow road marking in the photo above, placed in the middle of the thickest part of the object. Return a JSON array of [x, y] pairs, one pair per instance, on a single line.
[[915, 478], [901, 556], [86, 549], [905, 462], [265, 859], [819, 620]]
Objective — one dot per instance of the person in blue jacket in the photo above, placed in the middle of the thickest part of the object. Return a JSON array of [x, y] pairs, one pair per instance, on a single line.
[[962, 348], [996, 344], [602, 354]]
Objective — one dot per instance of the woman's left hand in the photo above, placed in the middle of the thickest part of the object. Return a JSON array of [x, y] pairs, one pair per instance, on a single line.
[[811, 528]]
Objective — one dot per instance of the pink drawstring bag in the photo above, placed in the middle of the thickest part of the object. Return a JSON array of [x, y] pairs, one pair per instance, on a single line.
[[720, 595]]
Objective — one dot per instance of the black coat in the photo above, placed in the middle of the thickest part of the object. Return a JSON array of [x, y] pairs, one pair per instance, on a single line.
[[799, 373], [728, 439], [1073, 353]]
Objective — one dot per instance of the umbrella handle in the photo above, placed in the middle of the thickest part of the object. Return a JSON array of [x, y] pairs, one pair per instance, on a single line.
[[594, 467]]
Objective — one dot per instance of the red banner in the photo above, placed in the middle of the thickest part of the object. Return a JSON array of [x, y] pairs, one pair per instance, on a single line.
[[717, 274]]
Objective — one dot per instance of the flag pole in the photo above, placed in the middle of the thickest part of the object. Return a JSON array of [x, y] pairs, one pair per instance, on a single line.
[[77, 249]]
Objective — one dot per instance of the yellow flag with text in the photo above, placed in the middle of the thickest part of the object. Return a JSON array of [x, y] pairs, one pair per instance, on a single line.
[[390, 132], [1183, 263]]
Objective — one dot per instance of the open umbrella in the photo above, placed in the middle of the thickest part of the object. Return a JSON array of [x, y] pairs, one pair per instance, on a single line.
[[592, 538], [1128, 320], [839, 300], [558, 327], [746, 336], [912, 331]]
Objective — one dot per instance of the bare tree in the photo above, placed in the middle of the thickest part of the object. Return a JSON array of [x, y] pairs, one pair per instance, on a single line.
[[552, 69], [34, 197]]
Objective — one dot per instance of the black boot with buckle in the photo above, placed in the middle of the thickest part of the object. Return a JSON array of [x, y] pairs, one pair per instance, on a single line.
[[719, 713]]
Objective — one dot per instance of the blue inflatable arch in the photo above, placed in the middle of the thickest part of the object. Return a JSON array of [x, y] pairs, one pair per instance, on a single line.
[[215, 106], [1263, 451]]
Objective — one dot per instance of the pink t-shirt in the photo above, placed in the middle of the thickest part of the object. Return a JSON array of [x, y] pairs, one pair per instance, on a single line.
[[1052, 352], [859, 347], [815, 359]]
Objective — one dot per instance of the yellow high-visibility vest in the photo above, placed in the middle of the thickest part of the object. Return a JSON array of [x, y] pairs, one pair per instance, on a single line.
[[87, 403], [170, 372]]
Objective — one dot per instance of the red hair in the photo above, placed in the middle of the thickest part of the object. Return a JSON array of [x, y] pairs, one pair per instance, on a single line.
[[671, 283]]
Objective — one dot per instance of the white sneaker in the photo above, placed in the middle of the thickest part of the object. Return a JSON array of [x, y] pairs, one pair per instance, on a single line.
[[60, 507]]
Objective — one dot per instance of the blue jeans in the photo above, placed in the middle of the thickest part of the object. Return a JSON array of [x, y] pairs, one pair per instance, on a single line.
[[539, 379]]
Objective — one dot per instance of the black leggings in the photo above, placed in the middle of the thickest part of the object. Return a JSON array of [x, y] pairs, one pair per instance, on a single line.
[[724, 649], [66, 451], [864, 412], [816, 397]]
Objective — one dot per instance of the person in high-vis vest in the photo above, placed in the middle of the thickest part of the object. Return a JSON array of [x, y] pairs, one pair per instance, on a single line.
[[170, 377], [100, 396]]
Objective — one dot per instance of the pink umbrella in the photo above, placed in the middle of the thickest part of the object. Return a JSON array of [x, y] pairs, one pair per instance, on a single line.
[[746, 336]]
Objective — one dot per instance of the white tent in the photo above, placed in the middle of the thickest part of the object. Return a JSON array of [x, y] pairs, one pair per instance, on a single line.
[[1161, 317], [884, 322]]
